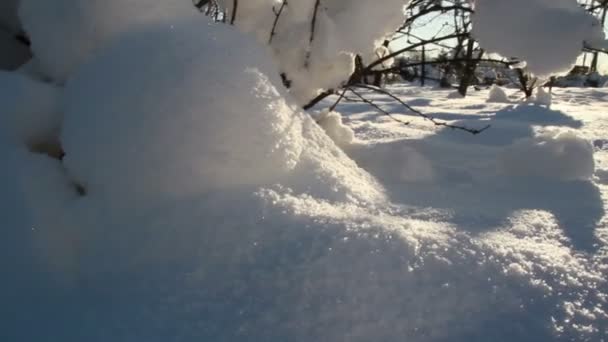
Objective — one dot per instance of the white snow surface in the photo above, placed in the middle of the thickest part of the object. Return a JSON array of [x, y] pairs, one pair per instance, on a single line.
[[563, 156], [195, 202], [65, 33], [548, 34]]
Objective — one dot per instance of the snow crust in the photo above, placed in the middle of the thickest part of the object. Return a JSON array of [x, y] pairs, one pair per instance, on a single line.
[[65, 33], [540, 37], [563, 156]]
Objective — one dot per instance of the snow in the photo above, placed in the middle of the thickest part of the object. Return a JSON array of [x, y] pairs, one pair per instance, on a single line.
[[332, 123], [30, 110], [342, 29], [543, 97], [65, 33], [540, 37], [172, 143], [8, 15], [14, 53], [248, 133], [562, 156], [498, 95], [197, 202]]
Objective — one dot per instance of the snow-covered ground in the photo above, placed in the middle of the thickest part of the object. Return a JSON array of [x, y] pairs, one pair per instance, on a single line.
[[525, 193], [159, 183], [501, 236]]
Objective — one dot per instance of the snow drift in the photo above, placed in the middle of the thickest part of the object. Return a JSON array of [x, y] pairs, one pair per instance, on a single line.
[[196, 202], [550, 155]]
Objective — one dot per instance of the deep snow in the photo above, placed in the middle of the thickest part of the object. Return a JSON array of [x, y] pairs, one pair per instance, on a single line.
[[196, 202], [460, 252]]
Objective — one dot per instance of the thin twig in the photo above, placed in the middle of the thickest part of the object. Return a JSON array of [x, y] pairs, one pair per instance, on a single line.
[[419, 113], [235, 7], [377, 107], [313, 25], [277, 15], [333, 107]]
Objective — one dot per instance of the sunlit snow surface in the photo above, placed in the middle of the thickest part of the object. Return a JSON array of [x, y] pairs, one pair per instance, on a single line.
[[462, 251], [533, 211]]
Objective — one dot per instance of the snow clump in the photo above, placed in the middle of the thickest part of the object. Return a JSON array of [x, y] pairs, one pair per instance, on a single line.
[[559, 156], [497, 95], [543, 97], [331, 122]]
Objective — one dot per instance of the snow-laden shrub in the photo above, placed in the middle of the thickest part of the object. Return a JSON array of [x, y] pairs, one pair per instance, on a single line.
[[320, 57], [65, 33], [547, 34], [559, 156]]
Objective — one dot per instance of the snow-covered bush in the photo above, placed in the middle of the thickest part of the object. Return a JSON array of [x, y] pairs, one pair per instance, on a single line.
[[314, 42], [547, 34]]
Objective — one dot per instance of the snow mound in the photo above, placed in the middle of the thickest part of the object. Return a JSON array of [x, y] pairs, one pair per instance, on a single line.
[[30, 110], [331, 122], [541, 37], [543, 97], [160, 127], [497, 95], [561, 156], [65, 33], [455, 95], [161, 130]]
